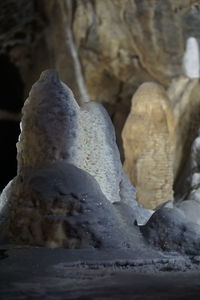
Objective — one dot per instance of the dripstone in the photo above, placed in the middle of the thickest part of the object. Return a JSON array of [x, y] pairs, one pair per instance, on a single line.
[[69, 174], [148, 138]]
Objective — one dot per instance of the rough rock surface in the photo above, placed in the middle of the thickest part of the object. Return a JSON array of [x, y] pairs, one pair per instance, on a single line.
[[114, 39], [48, 124], [55, 128], [114, 275], [120, 53], [184, 97], [62, 206], [67, 167], [175, 226], [191, 180], [172, 229], [148, 138], [191, 62], [105, 44], [194, 172]]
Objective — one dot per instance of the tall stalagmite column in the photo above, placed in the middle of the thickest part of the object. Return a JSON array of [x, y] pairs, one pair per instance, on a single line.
[[148, 144]]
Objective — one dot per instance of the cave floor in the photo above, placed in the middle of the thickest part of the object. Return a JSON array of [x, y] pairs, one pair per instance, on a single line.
[[41, 273]]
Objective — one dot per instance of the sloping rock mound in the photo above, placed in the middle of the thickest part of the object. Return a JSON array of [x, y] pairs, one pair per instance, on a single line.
[[62, 206], [173, 230]]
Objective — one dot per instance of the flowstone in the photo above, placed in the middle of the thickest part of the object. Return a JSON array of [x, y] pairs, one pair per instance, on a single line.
[[70, 177]]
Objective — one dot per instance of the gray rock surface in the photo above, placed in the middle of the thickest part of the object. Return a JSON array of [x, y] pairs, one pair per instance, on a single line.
[[193, 179], [176, 224], [69, 174], [173, 230], [5, 203], [63, 206], [41, 273], [49, 123], [189, 183], [55, 128]]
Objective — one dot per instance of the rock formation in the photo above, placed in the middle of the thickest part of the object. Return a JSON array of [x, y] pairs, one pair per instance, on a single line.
[[105, 44], [184, 97], [191, 62], [148, 137], [63, 206], [175, 226], [69, 174], [83, 136], [191, 188], [172, 230]]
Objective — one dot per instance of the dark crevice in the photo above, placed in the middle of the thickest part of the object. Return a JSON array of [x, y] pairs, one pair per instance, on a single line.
[[11, 86], [9, 132], [11, 101]]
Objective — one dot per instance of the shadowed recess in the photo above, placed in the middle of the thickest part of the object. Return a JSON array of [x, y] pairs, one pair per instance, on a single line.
[[11, 101]]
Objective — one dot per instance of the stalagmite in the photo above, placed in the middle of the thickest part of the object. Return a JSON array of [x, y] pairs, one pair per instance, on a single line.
[[69, 174], [55, 128], [148, 138]]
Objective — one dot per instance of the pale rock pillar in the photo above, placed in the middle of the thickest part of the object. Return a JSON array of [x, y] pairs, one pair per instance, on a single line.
[[148, 138]]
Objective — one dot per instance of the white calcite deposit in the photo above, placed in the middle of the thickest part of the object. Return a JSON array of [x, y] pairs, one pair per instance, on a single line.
[[191, 62]]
